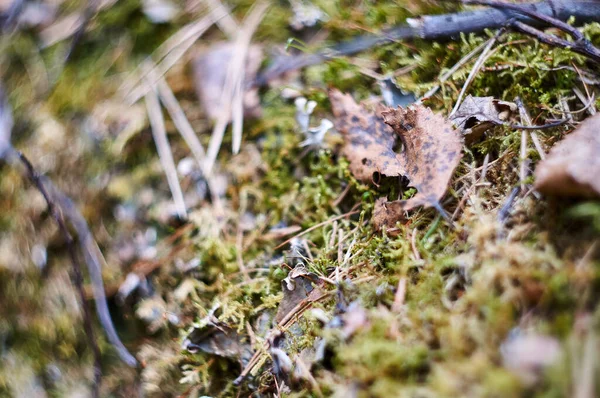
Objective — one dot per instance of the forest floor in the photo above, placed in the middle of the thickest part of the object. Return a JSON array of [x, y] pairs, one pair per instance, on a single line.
[[276, 280]]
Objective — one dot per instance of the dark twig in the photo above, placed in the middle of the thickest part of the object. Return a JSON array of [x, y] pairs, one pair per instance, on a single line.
[[36, 179], [444, 27], [525, 10], [61, 206], [579, 45], [524, 127]]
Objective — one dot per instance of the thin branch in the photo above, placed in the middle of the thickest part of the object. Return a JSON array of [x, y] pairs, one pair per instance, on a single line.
[[36, 180], [438, 27], [589, 51], [505, 209], [565, 27], [181, 121], [62, 207]]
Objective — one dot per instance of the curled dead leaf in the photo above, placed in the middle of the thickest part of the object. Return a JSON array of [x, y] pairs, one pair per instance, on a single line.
[[218, 339], [478, 114], [432, 150], [572, 167]]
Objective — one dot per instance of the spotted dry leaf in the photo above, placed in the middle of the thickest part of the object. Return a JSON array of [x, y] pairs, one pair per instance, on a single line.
[[368, 142], [432, 150], [572, 167]]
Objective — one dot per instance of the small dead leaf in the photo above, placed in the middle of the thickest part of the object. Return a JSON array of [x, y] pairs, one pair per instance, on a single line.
[[218, 339], [572, 167], [478, 114], [210, 71], [299, 285], [432, 150]]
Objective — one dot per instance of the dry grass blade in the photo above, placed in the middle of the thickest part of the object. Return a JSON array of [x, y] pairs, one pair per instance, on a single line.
[[67, 26], [181, 122], [232, 95], [227, 24], [166, 56], [526, 121], [159, 133], [478, 64], [445, 76]]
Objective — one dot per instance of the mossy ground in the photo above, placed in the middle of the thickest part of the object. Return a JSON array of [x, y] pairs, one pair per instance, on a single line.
[[468, 284]]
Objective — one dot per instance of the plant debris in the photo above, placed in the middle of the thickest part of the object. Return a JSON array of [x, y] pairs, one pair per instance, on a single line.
[[369, 142], [476, 115], [572, 167], [297, 286], [218, 339], [432, 150]]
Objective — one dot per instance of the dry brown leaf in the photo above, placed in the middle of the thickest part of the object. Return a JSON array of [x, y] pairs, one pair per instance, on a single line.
[[478, 114], [368, 142], [211, 71], [572, 168], [432, 150]]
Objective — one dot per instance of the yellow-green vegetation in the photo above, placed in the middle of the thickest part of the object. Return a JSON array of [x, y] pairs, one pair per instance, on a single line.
[[467, 285]]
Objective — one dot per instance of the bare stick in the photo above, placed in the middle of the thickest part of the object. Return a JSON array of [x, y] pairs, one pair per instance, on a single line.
[[590, 107], [525, 120], [505, 210], [36, 179], [59, 202], [538, 145], [159, 133], [581, 45]]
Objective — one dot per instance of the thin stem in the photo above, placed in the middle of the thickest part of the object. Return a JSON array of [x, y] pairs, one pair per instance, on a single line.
[[35, 178]]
